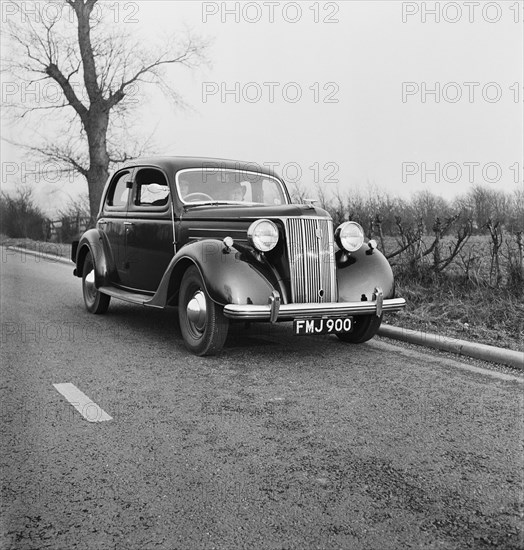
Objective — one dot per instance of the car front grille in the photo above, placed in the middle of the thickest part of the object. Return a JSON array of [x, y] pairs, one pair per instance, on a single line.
[[310, 248]]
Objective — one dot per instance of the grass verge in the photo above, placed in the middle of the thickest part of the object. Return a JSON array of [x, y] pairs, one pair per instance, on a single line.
[[492, 316], [53, 249]]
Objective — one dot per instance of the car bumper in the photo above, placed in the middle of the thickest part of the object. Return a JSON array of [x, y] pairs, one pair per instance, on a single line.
[[275, 312]]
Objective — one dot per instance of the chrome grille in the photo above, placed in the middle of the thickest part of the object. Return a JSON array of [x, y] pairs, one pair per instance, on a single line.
[[310, 249]]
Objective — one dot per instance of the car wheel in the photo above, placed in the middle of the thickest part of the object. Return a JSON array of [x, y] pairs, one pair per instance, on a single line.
[[202, 322], [95, 301], [364, 328]]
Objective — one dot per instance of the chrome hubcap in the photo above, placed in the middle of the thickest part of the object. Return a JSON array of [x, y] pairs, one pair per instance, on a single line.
[[196, 311], [89, 283]]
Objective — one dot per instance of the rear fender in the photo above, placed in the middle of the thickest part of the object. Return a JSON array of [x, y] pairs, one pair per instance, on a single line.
[[359, 273], [95, 241], [230, 276]]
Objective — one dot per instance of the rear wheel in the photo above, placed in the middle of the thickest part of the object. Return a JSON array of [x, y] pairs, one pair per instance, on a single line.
[[95, 301], [202, 322], [364, 328]]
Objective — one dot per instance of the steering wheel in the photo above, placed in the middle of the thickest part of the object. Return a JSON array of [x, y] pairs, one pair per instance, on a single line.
[[198, 194]]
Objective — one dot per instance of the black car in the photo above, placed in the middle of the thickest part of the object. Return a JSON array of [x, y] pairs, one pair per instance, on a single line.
[[222, 241]]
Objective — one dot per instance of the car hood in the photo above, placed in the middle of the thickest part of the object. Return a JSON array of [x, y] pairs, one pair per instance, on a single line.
[[253, 212]]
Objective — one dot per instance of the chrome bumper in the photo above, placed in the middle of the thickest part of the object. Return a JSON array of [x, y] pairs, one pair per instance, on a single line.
[[275, 312]]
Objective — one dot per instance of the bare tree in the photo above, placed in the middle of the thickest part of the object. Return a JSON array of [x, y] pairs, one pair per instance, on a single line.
[[483, 203], [100, 72], [427, 206]]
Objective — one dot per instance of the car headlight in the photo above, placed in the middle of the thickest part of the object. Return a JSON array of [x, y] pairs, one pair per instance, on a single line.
[[349, 236], [263, 235]]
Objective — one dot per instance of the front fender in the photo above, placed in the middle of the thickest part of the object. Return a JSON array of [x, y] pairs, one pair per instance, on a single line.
[[360, 272], [95, 241], [230, 277]]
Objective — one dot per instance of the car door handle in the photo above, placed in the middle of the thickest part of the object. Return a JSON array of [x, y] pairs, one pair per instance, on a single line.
[[129, 223]]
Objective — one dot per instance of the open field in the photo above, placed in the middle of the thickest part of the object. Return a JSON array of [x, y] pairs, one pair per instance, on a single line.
[[474, 261], [453, 303]]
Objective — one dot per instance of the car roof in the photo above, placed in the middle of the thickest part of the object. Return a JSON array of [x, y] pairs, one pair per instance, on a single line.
[[174, 164]]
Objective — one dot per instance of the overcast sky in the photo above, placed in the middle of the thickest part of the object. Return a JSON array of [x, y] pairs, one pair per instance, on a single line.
[[350, 102]]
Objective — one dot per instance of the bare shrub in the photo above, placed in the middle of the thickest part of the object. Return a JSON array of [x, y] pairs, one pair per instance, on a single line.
[[514, 257], [19, 216], [495, 232], [73, 219]]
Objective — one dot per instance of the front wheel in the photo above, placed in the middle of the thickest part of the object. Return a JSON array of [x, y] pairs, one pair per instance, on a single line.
[[95, 301], [202, 322], [364, 328]]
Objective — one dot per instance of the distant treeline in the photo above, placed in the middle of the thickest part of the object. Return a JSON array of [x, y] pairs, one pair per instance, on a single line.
[[479, 206], [378, 212]]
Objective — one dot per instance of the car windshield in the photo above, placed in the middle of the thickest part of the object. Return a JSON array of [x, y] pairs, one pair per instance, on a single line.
[[205, 186]]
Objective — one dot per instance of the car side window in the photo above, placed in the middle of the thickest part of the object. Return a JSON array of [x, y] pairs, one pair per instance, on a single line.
[[151, 188], [119, 191]]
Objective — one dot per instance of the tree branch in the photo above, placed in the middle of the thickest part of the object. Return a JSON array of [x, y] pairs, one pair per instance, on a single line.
[[54, 72], [53, 152], [119, 94], [83, 12]]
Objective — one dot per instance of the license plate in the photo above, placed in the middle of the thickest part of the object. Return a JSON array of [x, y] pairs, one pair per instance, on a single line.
[[323, 326]]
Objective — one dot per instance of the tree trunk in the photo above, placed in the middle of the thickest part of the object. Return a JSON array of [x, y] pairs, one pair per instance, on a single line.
[[98, 158]]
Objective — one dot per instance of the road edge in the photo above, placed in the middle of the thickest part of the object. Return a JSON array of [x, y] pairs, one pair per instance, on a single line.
[[484, 352]]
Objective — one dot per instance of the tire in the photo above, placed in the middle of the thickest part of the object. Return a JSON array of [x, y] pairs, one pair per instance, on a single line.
[[364, 328], [94, 300], [202, 322]]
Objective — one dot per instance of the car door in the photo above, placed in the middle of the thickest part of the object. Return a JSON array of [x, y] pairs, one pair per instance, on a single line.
[[149, 235], [112, 222]]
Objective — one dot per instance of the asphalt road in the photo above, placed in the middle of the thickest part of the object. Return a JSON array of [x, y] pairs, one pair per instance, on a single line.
[[280, 442]]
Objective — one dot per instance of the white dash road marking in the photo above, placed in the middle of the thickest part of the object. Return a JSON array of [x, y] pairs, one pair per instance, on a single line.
[[85, 406]]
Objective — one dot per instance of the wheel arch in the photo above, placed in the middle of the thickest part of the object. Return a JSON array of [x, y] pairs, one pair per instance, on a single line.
[[94, 242], [175, 279], [227, 276], [80, 259], [360, 272]]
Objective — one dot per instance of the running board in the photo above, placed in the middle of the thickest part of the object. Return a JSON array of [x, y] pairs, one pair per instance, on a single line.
[[133, 297]]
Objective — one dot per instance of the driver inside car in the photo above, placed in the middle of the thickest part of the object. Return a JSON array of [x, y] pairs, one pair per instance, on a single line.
[[237, 193]]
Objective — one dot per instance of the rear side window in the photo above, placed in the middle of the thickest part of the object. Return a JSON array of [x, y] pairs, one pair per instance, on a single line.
[[151, 188], [119, 191]]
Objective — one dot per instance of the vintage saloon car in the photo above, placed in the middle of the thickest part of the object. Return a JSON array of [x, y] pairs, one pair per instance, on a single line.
[[222, 241]]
